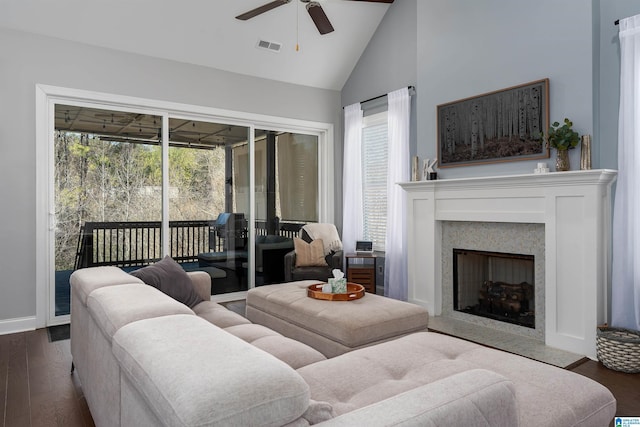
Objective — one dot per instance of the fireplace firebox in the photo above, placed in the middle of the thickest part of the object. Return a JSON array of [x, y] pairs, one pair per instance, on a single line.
[[495, 285]]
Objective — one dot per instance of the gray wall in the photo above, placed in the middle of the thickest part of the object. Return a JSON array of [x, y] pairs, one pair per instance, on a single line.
[[469, 48], [26, 60], [607, 82], [389, 61], [465, 48]]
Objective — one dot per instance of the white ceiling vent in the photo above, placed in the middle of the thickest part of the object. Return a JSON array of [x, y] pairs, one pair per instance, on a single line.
[[271, 46]]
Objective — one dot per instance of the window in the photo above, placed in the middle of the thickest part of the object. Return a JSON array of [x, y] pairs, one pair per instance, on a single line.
[[374, 179]]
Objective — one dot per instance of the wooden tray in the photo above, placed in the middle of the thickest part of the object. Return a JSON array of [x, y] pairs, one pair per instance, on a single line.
[[354, 291]]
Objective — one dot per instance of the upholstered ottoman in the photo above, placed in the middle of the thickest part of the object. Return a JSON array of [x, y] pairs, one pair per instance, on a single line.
[[332, 327]]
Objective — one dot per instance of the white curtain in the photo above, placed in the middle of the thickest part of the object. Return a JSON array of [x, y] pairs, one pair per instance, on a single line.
[[297, 176], [625, 302], [395, 272], [352, 221]]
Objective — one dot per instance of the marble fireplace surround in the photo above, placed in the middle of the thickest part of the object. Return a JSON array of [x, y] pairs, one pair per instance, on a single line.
[[514, 238], [575, 209]]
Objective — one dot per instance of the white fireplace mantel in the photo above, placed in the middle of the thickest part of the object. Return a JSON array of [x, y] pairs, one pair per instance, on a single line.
[[575, 208]]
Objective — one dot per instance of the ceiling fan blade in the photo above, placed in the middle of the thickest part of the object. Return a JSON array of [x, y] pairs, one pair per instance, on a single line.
[[319, 17], [262, 9]]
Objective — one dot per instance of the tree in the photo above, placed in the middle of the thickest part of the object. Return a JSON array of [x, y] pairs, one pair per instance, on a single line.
[[109, 181]]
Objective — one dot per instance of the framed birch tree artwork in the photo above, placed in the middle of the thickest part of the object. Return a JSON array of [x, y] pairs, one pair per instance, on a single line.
[[501, 126]]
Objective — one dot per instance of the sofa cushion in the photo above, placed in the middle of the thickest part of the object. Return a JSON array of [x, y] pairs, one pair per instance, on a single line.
[[309, 254], [170, 278], [115, 306], [87, 280], [545, 395], [477, 398], [291, 352], [219, 315], [207, 376]]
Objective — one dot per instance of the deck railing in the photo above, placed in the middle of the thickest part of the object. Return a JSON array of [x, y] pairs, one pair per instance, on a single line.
[[137, 243]]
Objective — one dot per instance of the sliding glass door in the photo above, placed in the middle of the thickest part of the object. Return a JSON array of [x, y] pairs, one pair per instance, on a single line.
[[107, 192], [123, 182], [208, 201], [108, 196], [286, 197]]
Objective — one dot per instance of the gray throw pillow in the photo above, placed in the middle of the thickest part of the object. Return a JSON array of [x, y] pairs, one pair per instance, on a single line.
[[167, 276]]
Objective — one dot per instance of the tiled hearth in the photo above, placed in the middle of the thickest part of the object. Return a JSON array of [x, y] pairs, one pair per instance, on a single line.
[[572, 209], [513, 343]]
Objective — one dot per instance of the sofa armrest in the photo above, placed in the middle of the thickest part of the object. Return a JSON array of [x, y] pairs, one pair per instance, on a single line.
[[201, 284], [180, 370], [472, 398]]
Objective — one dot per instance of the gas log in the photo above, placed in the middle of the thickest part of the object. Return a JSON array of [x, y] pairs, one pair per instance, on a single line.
[[506, 299]]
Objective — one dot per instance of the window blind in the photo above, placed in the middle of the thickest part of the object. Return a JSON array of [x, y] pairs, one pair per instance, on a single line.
[[374, 182]]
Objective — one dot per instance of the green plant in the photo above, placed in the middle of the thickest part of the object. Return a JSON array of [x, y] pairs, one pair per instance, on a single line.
[[562, 137]]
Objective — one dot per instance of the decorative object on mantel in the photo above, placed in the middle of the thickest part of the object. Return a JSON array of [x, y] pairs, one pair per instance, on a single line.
[[504, 125], [619, 349], [585, 153], [542, 168], [562, 138], [415, 171], [429, 172]]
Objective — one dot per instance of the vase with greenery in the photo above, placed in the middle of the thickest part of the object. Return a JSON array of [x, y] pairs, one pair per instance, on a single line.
[[562, 138]]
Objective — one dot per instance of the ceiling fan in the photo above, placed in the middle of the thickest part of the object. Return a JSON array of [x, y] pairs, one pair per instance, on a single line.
[[313, 7]]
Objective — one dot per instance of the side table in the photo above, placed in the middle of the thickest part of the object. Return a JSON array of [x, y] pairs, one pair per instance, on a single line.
[[361, 269]]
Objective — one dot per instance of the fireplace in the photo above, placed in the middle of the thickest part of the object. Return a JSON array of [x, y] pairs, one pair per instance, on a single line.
[[572, 267], [495, 285]]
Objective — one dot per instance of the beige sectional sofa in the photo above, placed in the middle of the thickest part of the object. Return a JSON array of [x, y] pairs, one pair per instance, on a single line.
[[145, 359]]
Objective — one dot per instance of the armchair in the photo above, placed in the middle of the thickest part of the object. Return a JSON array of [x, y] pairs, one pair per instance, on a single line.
[[334, 259], [270, 253]]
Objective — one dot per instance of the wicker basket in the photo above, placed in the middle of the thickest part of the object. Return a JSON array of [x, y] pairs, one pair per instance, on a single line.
[[619, 349]]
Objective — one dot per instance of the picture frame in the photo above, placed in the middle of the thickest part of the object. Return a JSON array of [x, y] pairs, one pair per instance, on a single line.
[[500, 126]]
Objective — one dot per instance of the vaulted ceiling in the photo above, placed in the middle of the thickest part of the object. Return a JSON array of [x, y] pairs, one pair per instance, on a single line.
[[205, 32]]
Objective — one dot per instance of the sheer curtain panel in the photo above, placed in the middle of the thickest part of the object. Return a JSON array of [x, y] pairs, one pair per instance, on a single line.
[[625, 278], [352, 221], [395, 272]]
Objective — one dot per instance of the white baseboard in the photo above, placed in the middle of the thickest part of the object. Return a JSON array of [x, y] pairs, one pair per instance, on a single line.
[[21, 324]]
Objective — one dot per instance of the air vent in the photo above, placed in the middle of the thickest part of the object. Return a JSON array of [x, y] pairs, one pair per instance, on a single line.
[[271, 46]]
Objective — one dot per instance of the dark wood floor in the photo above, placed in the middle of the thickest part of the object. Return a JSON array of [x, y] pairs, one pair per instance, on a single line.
[[37, 389]]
